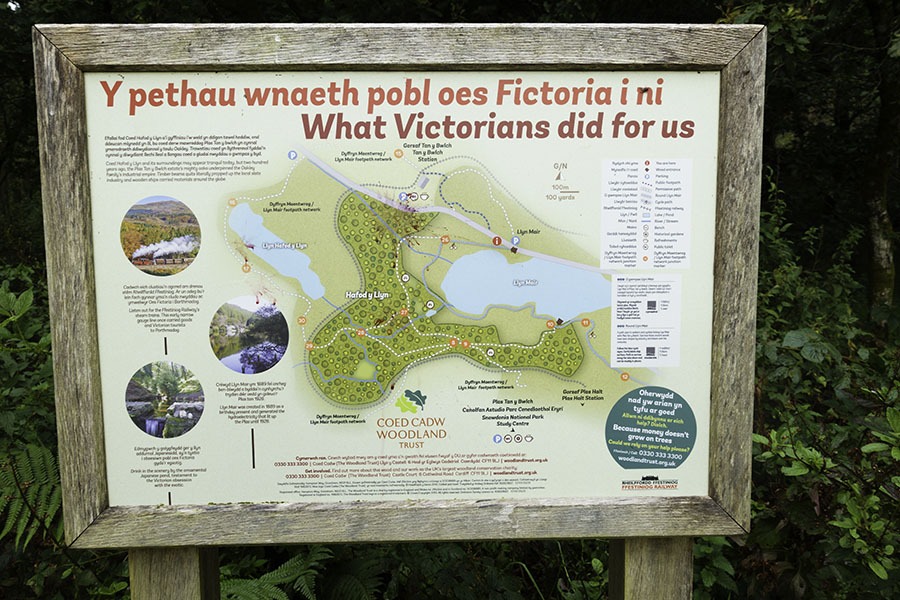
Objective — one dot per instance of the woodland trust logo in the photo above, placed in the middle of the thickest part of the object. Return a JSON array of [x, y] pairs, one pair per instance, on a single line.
[[411, 401]]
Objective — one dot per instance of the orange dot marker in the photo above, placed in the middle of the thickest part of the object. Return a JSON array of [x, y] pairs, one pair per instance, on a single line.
[[301, 320], [404, 312], [232, 202], [310, 345], [466, 343], [445, 239], [360, 332], [585, 322], [625, 376], [398, 153], [245, 267], [551, 324], [453, 342]]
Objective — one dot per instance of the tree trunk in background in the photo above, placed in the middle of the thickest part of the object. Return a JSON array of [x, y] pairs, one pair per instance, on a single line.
[[884, 157]]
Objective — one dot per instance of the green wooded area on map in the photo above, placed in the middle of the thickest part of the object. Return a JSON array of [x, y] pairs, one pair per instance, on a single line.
[[826, 494], [367, 231]]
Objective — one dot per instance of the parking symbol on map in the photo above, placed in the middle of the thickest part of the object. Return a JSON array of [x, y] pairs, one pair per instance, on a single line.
[[498, 438]]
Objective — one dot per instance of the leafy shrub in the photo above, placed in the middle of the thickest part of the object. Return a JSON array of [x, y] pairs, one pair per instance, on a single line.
[[825, 497]]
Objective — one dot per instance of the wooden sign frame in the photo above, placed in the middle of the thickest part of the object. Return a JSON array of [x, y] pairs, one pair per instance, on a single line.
[[63, 53]]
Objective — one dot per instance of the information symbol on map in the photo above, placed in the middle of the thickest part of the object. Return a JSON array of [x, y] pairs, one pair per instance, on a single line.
[[497, 240], [404, 278], [292, 155]]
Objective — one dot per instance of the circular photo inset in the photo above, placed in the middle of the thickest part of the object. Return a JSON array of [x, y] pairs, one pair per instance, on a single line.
[[160, 235], [164, 399], [248, 334]]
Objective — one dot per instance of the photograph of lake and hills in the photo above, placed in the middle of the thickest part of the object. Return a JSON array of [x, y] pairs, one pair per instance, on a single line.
[[160, 235], [248, 334], [164, 399]]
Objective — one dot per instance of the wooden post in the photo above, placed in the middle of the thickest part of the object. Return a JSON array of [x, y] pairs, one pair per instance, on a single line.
[[190, 573], [658, 568]]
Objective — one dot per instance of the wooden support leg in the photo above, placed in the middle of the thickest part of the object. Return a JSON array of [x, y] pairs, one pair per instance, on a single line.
[[645, 568], [174, 573]]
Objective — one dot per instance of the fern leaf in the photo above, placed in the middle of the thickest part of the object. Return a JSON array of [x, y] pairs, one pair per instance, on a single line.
[[31, 495], [349, 587], [250, 589], [357, 579], [306, 585], [13, 513], [301, 569]]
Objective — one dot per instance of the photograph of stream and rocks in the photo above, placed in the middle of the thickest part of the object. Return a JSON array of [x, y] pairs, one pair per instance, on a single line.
[[164, 399]]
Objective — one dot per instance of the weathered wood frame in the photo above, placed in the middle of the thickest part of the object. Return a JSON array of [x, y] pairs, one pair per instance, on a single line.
[[63, 53]]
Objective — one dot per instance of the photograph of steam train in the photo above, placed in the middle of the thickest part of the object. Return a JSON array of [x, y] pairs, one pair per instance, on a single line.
[[160, 235], [164, 399], [248, 334]]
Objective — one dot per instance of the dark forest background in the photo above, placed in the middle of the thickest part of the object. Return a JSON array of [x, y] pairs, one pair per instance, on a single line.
[[826, 483]]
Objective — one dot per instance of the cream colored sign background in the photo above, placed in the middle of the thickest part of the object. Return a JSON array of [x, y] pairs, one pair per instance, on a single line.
[[578, 462]]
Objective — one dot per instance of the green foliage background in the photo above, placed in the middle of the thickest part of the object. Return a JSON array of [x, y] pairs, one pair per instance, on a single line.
[[826, 483]]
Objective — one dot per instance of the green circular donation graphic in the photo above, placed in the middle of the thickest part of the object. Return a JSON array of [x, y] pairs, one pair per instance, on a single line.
[[160, 235], [164, 399], [651, 428]]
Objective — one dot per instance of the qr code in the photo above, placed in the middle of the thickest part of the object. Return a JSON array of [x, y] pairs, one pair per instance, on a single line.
[[651, 304], [651, 352]]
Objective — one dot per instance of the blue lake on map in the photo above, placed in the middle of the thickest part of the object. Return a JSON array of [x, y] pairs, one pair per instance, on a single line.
[[479, 280], [288, 261]]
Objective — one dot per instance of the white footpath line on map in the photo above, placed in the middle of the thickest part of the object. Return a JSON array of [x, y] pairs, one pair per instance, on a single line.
[[447, 211]]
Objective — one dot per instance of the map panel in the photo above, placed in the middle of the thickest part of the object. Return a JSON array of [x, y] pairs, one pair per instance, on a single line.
[[410, 285]]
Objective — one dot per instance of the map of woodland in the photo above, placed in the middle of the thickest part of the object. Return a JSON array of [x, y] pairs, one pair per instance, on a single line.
[[426, 263]]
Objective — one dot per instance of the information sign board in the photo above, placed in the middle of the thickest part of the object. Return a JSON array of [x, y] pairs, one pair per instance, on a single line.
[[369, 296]]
